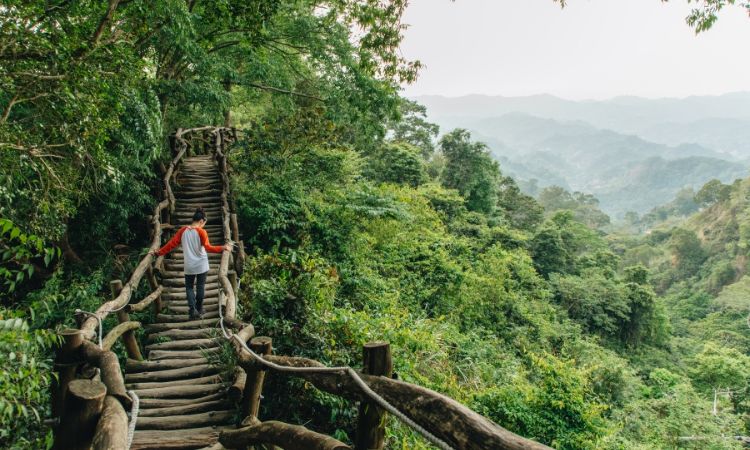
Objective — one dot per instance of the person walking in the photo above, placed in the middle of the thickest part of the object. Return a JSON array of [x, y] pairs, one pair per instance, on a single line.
[[195, 244]]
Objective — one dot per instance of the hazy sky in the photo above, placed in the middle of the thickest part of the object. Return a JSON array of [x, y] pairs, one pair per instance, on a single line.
[[590, 49]]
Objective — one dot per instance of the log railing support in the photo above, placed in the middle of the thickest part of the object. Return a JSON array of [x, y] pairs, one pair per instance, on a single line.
[[238, 386], [254, 385], [66, 359], [154, 286], [233, 280], [83, 406], [371, 424], [149, 227], [128, 337], [165, 212], [112, 428], [244, 334], [289, 437]]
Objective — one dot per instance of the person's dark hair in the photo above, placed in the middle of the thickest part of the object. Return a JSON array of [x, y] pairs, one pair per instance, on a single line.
[[199, 214]]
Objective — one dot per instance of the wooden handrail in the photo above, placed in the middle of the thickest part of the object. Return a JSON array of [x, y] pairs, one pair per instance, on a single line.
[[143, 304], [284, 435], [447, 419], [116, 332]]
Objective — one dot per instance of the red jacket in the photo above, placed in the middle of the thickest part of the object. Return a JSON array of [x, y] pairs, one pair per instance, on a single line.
[[177, 239]]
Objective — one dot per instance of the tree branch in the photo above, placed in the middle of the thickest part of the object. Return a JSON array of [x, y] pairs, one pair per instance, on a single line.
[[111, 7], [223, 45], [283, 91]]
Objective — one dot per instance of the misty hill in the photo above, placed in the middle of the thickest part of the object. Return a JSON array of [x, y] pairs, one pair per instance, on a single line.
[[623, 114], [638, 186], [730, 136], [612, 148]]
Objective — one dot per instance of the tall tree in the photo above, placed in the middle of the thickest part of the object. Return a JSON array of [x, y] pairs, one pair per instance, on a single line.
[[470, 170]]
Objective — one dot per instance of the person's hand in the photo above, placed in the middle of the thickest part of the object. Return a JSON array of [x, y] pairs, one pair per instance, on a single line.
[[153, 253], [228, 246]]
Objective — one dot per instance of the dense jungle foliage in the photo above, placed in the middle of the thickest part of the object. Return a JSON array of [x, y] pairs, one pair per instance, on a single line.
[[362, 222]]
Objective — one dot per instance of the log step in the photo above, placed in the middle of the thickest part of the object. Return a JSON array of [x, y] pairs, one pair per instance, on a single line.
[[186, 344], [199, 201], [175, 335], [190, 391], [200, 194], [201, 323], [155, 355], [132, 365], [193, 438], [183, 308], [171, 374], [176, 302], [157, 384], [184, 317], [213, 405], [185, 421], [181, 295], [155, 403]]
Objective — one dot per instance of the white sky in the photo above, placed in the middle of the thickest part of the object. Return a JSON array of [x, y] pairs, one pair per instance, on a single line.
[[591, 49]]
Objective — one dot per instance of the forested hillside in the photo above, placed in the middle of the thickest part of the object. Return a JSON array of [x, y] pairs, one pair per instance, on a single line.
[[592, 146], [362, 221]]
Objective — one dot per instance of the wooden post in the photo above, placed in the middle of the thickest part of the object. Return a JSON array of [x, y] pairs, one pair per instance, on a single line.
[[371, 424], [112, 427], [235, 227], [173, 144], [254, 385], [233, 280], [241, 255], [83, 406], [67, 355], [150, 227], [165, 217], [154, 285], [128, 338]]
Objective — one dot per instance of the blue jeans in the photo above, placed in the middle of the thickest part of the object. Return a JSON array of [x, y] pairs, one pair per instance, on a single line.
[[195, 299]]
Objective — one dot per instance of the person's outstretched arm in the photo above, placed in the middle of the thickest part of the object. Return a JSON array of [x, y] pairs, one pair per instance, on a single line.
[[207, 245], [172, 244]]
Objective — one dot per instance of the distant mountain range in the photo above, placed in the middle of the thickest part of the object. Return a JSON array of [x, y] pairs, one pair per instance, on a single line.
[[632, 153]]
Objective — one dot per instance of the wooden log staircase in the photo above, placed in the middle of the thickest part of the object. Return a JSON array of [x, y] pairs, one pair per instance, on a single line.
[[183, 401], [178, 397]]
